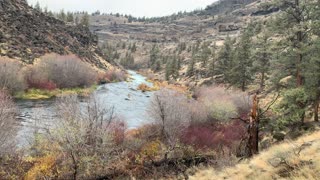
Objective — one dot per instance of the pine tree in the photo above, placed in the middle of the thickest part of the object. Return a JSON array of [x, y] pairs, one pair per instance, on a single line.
[[85, 20], [62, 15], [38, 7], [154, 56], [205, 54], [45, 10], [224, 61], [168, 70], [76, 20], [294, 27], [69, 17], [262, 57], [134, 47], [312, 76], [190, 70], [241, 74], [211, 68]]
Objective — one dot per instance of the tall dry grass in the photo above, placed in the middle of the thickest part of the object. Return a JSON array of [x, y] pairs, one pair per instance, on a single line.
[[298, 159]]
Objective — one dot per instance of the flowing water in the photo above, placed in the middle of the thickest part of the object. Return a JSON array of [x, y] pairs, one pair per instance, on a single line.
[[129, 104]]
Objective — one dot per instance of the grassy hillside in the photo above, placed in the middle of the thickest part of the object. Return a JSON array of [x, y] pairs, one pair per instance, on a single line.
[[298, 159]]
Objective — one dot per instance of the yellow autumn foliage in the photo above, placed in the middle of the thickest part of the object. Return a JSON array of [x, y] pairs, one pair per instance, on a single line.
[[44, 167], [150, 151]]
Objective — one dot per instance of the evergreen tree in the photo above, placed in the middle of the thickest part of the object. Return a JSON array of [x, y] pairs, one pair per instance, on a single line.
[[37, 6], [134, 47], [76, 20], [45, 10], [62, 15], [50, 13], [241, 74], [69, 17], [224, 61], [211, 68], [85, 20], [262, 57], [312, 76], [154, 55], [205, 54], [293, 24], [190, 70]]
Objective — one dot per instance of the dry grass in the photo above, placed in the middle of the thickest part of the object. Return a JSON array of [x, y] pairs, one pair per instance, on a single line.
[[291, 160]]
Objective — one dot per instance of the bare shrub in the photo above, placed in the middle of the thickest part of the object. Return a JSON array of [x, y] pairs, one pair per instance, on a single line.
[[38, 78], [63, 71], [198, 111], [223, 104], [169, 110], [10, 75], [112, 75], [85, 136], [8, 128]]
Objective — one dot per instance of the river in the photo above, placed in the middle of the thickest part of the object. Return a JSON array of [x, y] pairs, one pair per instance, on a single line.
[[129, 103]]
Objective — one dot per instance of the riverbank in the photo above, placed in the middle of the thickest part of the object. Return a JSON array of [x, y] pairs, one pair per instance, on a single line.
[[38, 94]]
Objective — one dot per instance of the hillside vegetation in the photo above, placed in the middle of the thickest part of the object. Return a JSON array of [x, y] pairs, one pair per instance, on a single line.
[[298, 159], [235, 88], [27, 34]]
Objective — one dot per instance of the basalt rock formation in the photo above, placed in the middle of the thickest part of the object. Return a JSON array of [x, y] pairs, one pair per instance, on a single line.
[[27, 34]]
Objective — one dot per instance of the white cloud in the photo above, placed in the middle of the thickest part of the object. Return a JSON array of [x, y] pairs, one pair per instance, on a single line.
[[139, 8]]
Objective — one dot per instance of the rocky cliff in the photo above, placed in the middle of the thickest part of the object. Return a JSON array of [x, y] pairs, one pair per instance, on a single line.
[[27, 34]]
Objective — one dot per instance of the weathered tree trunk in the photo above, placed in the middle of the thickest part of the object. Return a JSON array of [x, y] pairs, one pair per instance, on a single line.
[[262, 80], [75, 166], [253, 129], [243, 86], [299, 35], [316, 111], [316, 108]]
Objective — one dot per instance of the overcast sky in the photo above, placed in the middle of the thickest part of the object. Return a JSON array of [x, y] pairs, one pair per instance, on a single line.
[[139, 8]]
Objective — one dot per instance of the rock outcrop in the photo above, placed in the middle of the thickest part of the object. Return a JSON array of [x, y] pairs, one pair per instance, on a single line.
[[27, 34]]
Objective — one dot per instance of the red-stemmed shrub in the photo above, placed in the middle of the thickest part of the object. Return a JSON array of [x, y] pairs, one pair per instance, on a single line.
[[214, 136], [118, 129], [56, 71]]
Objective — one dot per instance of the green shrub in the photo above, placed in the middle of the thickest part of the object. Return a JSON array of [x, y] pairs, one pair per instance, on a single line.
[[292, 107]]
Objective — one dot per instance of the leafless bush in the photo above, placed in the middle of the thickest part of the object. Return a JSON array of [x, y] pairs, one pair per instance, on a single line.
[[223, 104], [199, 112], [64, 71], [112, 75], [87, 134], [10, 75], [8, 127], [170, 111]]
